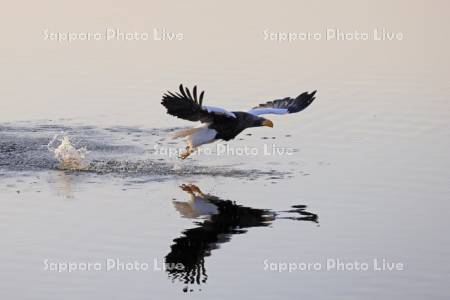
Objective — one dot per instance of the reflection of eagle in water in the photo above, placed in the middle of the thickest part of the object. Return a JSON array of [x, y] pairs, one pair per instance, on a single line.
[[222, 219], [220, 124]]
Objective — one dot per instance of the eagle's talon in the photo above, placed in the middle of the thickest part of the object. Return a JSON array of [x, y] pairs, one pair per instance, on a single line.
[[187, 188], [185, 155]]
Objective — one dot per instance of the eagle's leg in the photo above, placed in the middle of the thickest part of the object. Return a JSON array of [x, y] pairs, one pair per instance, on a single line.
[[192, 189], [185, 154], [189, 150], [196, 189], [187, 188]]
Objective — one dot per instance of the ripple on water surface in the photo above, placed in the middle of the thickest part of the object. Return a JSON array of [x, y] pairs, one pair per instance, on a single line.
[[104, 151]]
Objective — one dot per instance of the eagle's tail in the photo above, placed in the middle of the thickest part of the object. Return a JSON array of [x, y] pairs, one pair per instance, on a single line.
[[185, 132]]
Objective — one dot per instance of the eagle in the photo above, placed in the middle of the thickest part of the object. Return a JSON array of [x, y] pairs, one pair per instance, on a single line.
[[220, 124], [216, 221]]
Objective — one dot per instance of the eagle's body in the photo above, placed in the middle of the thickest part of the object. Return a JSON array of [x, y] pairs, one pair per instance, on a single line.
[[220, 124], [231, 127]]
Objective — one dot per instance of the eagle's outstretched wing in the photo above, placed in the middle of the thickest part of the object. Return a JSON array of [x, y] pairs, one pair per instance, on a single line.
[[284, 106], [189, 107]]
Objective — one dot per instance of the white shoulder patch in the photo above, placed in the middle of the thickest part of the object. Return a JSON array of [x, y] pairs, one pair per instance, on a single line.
[[219, 110]]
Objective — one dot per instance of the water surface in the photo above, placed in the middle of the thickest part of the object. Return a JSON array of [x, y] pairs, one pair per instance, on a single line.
[[368, 178]]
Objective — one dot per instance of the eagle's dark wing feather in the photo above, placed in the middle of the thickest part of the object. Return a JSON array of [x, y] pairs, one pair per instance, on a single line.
[[284, 106], [187, 106]]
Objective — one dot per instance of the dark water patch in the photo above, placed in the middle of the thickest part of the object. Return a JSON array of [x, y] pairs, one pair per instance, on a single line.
[[216, 222], [164, 169], [24, 153]]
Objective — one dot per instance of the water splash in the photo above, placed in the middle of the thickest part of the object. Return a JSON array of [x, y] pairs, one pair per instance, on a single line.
[[27, 148], [68, 156]]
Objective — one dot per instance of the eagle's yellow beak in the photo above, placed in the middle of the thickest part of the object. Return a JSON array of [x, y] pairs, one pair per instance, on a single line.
[[267, 123]]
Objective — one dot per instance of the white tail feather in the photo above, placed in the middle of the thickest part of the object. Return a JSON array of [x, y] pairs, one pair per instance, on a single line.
[[197, 136], [185, 132]]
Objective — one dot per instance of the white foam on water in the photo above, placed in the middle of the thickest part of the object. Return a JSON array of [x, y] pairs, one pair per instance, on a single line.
[[68, 156]]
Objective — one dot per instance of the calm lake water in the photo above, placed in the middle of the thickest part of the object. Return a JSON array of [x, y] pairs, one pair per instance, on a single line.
[[345, 200]]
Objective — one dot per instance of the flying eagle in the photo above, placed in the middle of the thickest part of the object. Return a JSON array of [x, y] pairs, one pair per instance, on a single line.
[[220, 124]]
